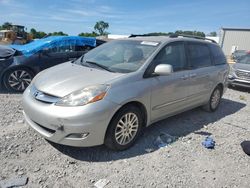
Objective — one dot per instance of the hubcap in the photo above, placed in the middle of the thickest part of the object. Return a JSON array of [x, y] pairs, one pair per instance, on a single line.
[[126, 128], [215, 98], [19, 80]]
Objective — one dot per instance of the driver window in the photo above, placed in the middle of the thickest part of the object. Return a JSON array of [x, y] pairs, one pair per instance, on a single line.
[[173, 54], [50, 50]]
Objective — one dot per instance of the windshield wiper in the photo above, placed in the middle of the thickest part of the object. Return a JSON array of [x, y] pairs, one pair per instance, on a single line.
[[98, 65]]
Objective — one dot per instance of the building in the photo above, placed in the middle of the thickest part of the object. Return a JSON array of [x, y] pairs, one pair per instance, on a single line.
[[111, 36], [232, 39]]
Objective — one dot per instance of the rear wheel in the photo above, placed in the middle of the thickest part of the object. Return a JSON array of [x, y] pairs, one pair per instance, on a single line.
[[214, 100], [18, 79], [124, 128]]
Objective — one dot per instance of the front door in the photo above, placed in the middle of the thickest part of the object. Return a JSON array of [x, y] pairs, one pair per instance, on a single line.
[[52, 56], [170, 93]]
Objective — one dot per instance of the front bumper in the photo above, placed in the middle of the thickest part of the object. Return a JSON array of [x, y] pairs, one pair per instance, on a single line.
[[81, 126], [238, 82]]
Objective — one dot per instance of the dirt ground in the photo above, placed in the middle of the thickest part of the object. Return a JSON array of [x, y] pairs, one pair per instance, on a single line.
[[184, 163]]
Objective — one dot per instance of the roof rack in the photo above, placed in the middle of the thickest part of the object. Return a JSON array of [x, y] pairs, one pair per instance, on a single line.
[[174, 36], [191, 36], [143, 35]]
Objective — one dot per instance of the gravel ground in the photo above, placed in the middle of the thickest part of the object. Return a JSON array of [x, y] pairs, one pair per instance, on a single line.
[[184, 163]]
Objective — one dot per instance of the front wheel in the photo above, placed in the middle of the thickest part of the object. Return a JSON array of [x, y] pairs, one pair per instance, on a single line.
[[124, 128], [18, 79], [214, 100]]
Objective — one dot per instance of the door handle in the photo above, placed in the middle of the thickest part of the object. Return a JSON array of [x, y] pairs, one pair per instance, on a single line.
[[184, 77], [193, 75]]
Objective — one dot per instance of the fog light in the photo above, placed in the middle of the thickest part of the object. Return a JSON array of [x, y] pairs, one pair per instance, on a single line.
[[77, 135]]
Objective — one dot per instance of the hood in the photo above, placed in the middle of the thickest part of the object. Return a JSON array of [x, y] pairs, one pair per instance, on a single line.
[[66, 78], [242, 66], [6, 51]]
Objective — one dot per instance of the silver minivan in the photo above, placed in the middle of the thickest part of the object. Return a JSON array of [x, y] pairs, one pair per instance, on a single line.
[[109, 95]]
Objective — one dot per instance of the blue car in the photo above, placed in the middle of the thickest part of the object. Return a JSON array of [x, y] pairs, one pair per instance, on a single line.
[[20, 63]]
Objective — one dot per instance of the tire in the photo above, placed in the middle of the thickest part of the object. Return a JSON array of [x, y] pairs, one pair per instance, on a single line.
[[17, 80], [214, 100], [124, 128]]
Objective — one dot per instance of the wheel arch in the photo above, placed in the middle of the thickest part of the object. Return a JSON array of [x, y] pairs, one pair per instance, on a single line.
[[137, 104], [108, 136], [18, 67], [221, 86]]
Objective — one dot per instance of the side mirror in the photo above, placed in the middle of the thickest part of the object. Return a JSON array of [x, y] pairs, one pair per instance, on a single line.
[[163, 69]]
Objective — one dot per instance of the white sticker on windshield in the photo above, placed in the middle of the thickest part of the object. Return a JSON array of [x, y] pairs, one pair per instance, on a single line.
[[149, 43]]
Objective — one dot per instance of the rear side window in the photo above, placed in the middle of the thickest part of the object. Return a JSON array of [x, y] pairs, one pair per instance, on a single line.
[[218, 56], [199, 55]]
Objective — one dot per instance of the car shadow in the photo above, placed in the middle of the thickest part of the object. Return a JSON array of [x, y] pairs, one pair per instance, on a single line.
[[241, 89], [180, 125], [5, 91]]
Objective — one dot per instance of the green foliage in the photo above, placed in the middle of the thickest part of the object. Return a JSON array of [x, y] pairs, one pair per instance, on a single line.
[[100, 27], [159, 34], [212, 34], [93, 34], [41, 34], [194, 33], [60, 33], [37, 34], [6, 25]]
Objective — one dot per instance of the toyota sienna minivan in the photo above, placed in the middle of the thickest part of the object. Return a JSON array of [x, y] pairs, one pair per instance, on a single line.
[[109, 95]]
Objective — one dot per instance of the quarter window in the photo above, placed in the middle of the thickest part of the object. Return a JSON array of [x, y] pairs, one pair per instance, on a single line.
[[218, 56], [199, 55]]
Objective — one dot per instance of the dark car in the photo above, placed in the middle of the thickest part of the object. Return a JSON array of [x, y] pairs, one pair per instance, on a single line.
[[240, 72], [20, 63]]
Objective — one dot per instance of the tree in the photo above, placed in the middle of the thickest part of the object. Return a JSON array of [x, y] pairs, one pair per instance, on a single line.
[[100, 27], [6, 25], [194, 33], [93, 34], [37, 34], [60, 33], [212, 34]]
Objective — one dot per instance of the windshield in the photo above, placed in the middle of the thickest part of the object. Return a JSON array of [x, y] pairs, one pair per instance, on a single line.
[[245, 59], [121, 56]]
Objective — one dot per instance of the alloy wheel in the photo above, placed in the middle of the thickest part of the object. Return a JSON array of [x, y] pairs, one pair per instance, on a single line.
[[18, 80], [215, 100], [126, 128]]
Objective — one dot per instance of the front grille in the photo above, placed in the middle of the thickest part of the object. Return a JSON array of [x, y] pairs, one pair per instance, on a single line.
[[242, 74], [43, 97]]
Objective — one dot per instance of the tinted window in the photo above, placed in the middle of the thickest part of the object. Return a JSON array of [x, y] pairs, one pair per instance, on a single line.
[[83, 48], [173, 54], [245, 59], [199, 55], [70, 48], [60, 49], [218, 55]]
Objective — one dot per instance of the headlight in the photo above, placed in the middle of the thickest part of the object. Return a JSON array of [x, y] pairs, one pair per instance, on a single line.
[[231, 71], [84, 96]]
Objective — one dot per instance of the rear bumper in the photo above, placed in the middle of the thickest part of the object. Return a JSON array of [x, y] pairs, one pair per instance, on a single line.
[[81, 126]]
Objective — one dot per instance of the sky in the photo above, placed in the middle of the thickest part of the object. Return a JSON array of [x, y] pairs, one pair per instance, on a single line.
[[126, 16]]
